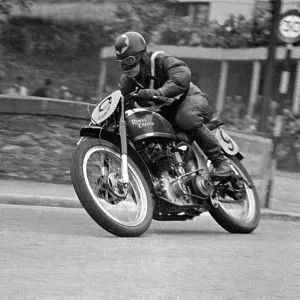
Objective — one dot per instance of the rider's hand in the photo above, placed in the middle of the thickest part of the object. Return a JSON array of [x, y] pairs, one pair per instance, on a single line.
[[147, 94]]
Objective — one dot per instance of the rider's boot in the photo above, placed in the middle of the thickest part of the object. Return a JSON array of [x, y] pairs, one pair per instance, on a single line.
[[213, 150]]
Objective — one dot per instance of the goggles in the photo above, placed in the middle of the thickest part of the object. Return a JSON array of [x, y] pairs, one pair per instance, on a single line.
[[129, 61]]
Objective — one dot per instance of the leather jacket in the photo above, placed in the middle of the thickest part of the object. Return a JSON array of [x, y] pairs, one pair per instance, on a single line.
[[172, 78]]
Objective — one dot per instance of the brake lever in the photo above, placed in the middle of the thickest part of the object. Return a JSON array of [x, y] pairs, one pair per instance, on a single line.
[[156, 103], [131, 99]]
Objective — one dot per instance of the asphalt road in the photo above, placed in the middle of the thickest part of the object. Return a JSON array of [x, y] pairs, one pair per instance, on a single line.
[[60, 253]]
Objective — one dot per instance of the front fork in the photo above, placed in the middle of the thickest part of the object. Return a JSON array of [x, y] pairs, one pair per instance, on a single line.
[[124, 179]]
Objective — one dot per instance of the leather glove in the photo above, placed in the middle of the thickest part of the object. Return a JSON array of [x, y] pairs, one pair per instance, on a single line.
[[147, 94]]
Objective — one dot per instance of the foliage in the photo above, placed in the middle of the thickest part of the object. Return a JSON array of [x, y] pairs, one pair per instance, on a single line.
[[65, 51], [138, 15], [71, 1], [236, 32], [53, 37], [6, 6], [52, 41], [155, 21], [159, 24]]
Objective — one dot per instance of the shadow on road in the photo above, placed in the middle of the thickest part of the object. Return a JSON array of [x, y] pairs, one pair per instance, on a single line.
[[76, 222], [186, 232]]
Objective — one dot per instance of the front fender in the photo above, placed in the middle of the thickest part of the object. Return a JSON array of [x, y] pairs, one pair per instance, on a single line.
[[112, 137]]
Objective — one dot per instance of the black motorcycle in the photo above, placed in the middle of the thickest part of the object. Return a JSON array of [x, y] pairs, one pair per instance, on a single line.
[[132, 165]]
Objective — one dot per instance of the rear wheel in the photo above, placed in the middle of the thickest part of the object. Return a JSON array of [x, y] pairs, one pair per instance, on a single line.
[[242, 215], [95, 172]]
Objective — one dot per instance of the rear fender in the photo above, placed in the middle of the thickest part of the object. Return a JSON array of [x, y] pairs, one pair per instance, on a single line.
[[112, 137]]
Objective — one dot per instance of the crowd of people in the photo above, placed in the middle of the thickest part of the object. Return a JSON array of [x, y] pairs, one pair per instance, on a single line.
[[234, 113], [47, 90]]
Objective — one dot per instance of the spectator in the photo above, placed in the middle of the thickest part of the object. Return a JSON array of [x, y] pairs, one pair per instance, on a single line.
[[195, 39], [227, 111], [12, 90], [274, 108], [2, 76], [79, 99], [44, 90], [21, 89], [64, 93], [239, 107]]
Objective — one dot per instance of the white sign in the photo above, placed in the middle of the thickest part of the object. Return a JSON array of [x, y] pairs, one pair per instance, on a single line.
[[288, 28]]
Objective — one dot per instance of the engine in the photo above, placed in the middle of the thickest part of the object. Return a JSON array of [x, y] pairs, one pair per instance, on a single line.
[[174, 171], [162, 158], [175, 175]]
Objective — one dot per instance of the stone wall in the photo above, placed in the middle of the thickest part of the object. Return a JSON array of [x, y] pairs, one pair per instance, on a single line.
[[38, 137]]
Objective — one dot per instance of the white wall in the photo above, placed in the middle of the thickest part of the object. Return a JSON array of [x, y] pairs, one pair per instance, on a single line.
[[221, 9]]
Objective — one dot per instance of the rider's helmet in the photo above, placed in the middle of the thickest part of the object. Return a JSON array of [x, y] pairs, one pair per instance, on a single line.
[[129, 47]]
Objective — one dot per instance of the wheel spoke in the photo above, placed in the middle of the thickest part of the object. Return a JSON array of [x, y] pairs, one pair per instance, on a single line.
[[100, 164]]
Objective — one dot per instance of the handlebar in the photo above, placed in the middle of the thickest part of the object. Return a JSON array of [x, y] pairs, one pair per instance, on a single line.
[[158, 100], [161, 99]]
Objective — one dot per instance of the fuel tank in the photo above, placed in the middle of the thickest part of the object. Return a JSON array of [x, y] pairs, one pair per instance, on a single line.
[[142, 123]]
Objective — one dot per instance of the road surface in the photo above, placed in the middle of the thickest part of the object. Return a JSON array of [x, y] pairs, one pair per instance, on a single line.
[[286, 192], [60, 253]]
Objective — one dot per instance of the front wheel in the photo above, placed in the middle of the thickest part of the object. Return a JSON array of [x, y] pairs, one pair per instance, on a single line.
[[242, 215], [95, 171]]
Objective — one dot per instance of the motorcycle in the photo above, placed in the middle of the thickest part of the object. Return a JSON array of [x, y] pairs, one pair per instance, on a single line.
[[132, 166]]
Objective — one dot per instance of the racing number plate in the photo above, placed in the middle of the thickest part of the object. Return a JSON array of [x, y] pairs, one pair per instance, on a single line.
[[227, 143]]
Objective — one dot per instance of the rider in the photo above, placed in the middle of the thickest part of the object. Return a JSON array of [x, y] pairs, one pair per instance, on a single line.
[[171, 78]]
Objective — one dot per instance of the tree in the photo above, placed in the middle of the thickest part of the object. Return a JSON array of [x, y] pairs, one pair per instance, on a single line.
[[6, 6], [140, 15]]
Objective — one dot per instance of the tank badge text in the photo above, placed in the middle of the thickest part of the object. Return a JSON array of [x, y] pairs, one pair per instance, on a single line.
[[141, 123]]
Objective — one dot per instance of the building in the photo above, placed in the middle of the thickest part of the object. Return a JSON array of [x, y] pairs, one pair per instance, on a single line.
[[221, 9], [221, 72], [205, 10]]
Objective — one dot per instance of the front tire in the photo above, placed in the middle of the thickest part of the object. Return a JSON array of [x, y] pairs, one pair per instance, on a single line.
[[94, 172], [235, 216]]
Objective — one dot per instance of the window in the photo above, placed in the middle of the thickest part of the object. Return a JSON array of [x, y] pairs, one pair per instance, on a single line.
[[198, 11], [201, 12], [182, 9]]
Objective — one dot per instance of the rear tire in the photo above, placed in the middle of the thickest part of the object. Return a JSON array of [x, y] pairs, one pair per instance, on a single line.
[[248, 219], [110, 212]]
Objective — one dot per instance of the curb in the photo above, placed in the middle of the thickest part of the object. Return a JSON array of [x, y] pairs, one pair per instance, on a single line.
[[71, 202], [33, 200], [268, 214]]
